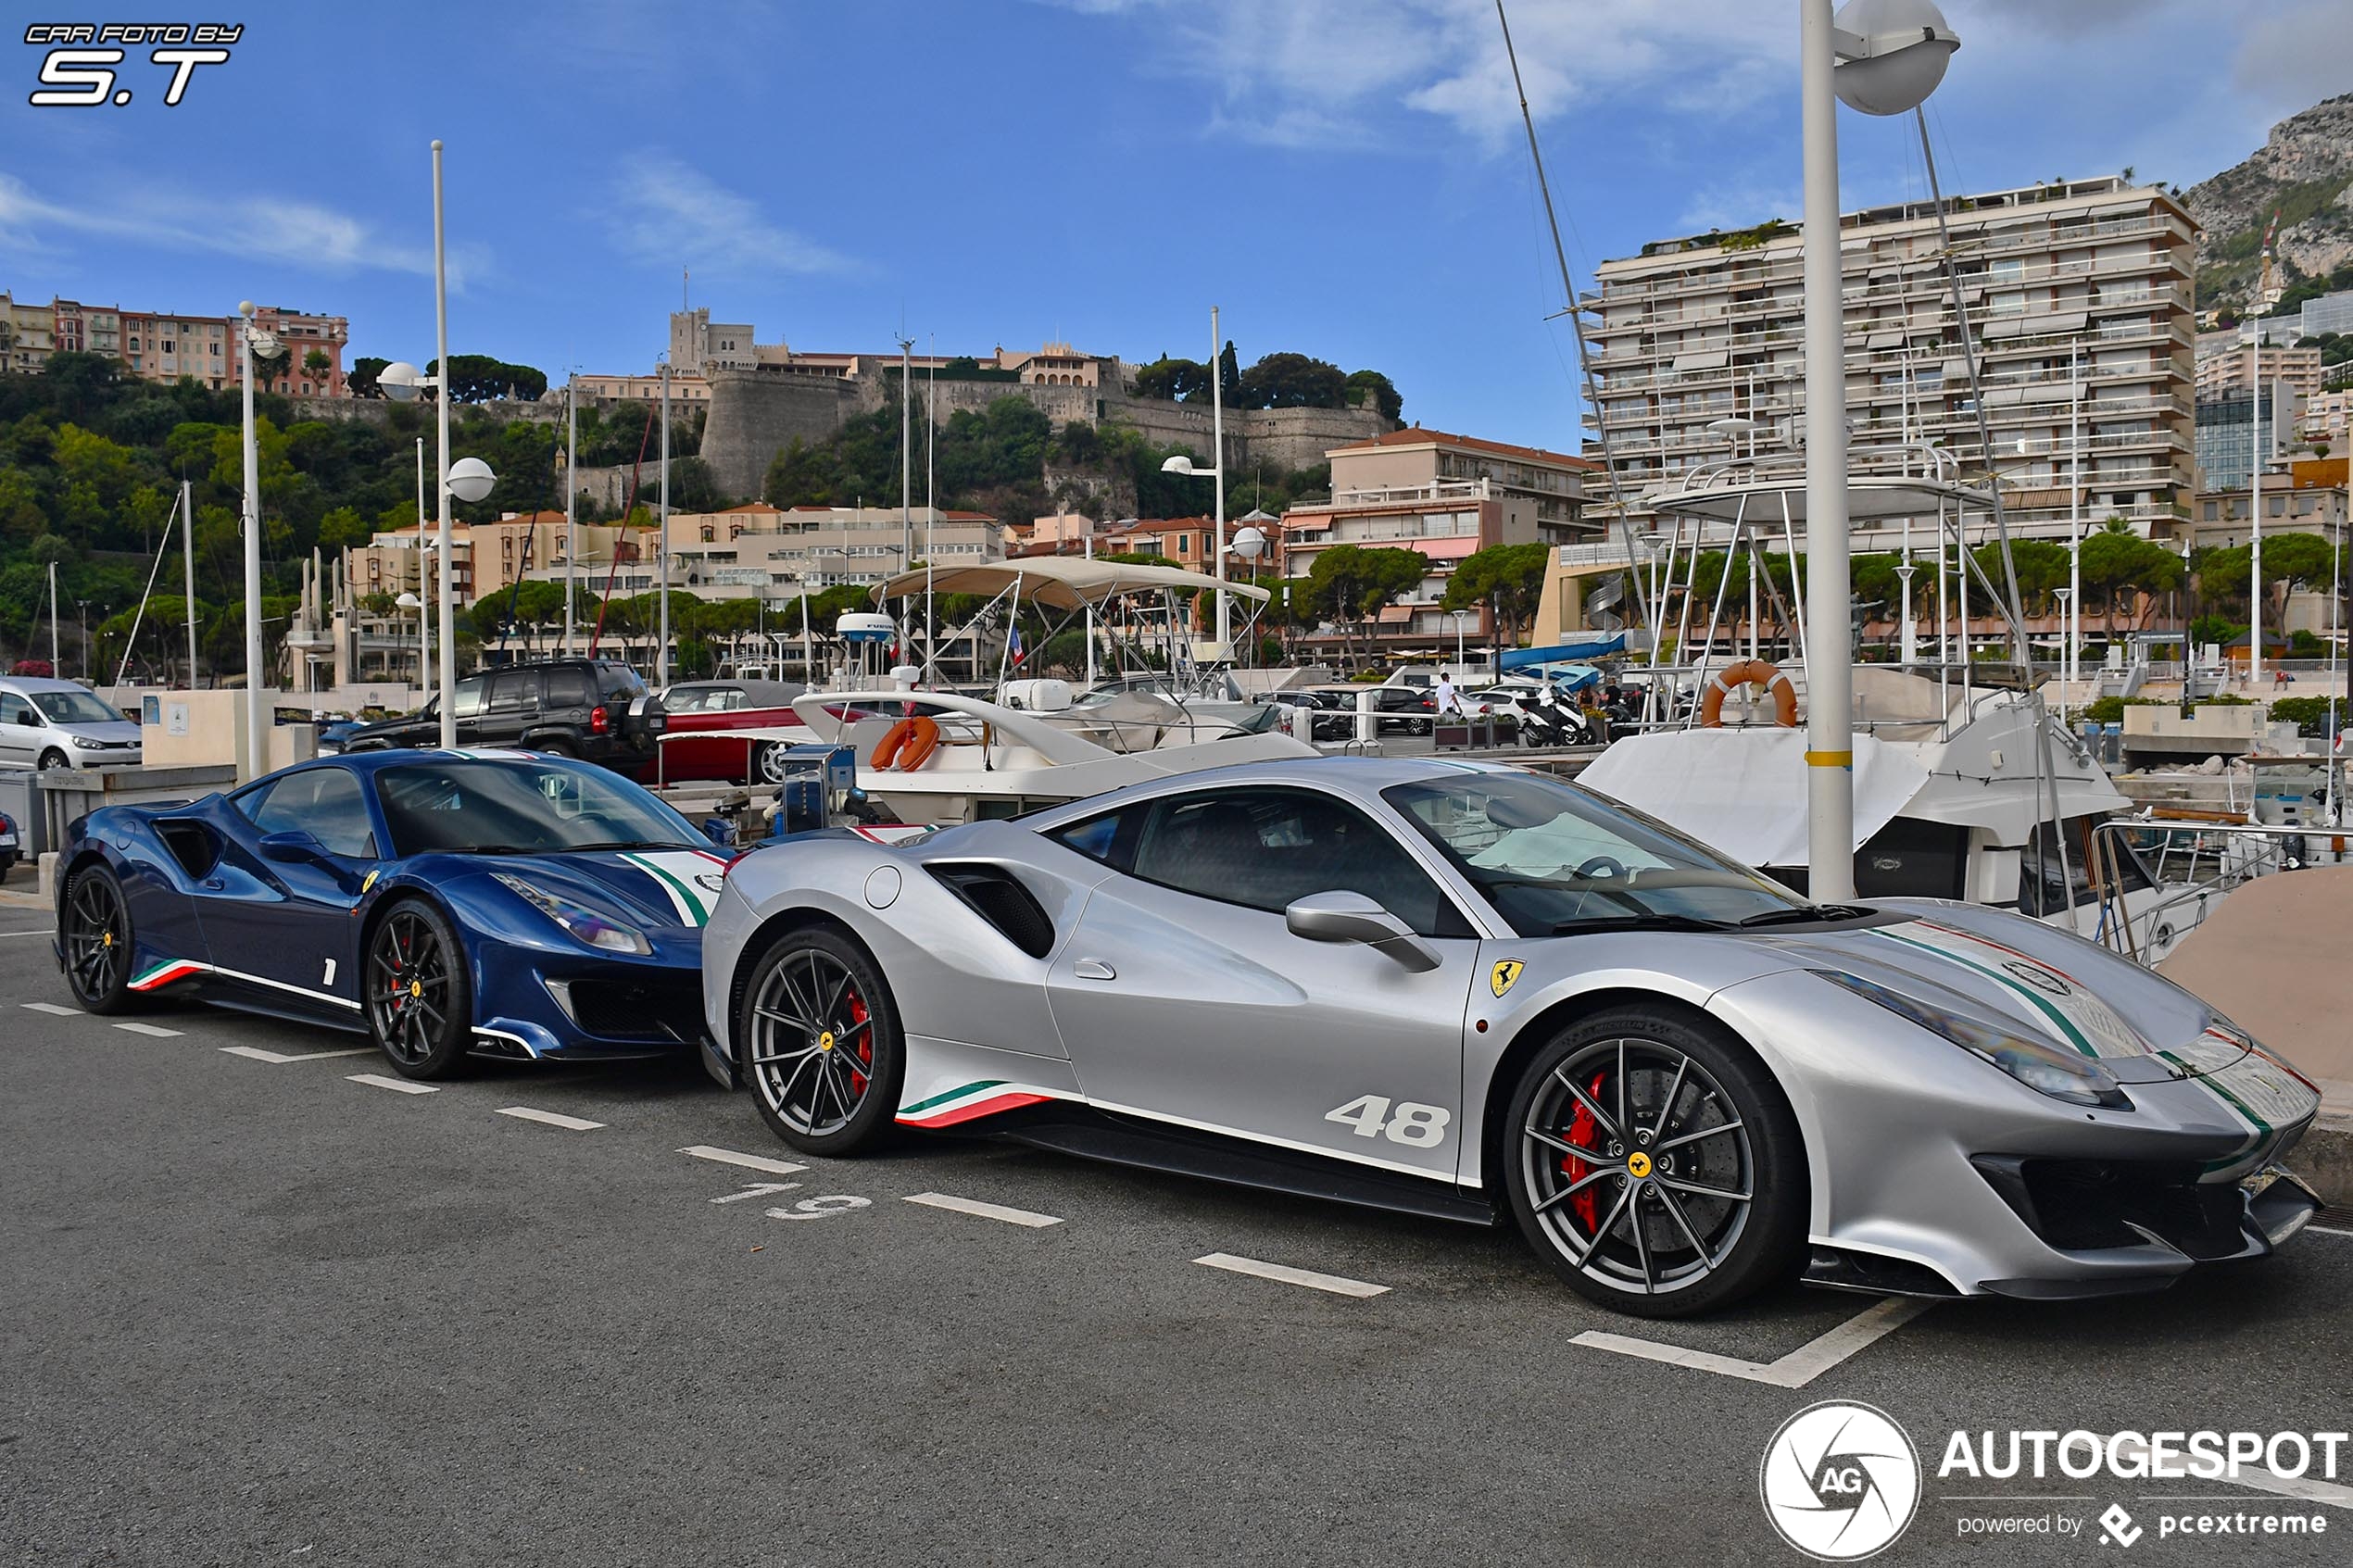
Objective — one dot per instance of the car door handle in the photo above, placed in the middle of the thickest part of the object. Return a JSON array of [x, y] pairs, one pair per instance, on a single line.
[[214, 885], [1094, 968]]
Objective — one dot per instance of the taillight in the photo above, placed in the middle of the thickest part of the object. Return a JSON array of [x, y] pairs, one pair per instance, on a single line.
[[599, 719]]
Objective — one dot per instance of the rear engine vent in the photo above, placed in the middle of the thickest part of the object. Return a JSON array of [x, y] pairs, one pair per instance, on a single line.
[[997, 895]]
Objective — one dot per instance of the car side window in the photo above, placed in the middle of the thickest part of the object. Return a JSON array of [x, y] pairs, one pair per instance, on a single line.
[[322, 802], [1098, 838], [514, 693], [568, 689], [1266, 848], [14, 710], [467, 702]]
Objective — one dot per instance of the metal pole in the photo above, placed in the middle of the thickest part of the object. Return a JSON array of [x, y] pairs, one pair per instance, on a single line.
[[906, 455], [188, 566], [662, 539], [931, 496], [1217, 436], [449, 611], [55, 666], [424, 581], [1830, 678], [2074, 617], [572, 493], [256, 738], [2255, 539]]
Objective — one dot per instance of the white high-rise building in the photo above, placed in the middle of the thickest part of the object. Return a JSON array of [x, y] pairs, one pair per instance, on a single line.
[[1697, 328]]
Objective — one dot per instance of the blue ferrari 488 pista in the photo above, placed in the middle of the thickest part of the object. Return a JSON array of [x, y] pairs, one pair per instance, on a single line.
[[449, 903]]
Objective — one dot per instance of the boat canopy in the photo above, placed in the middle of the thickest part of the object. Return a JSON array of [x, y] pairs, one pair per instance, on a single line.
[[1744, 791], [1060, 582]]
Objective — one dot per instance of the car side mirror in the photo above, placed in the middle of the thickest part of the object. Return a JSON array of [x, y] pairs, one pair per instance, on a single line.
[[1351, 917], [29, 718], [292, 849]]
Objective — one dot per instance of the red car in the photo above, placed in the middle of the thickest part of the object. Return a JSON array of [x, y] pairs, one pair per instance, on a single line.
[[699, 742]]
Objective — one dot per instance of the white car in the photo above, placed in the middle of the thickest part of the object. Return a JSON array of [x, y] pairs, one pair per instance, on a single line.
[[46, 723]]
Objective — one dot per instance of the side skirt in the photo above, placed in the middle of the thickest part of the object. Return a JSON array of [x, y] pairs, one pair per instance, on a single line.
[[1067, 1128]]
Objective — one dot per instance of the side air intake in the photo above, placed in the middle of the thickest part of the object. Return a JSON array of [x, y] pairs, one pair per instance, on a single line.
[[997, 895]]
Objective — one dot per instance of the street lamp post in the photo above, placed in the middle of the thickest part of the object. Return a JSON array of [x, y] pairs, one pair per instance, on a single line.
[[467, 480], [1460, 615], [1184, 465], [1879, 58], [250, 339], [417, 603]]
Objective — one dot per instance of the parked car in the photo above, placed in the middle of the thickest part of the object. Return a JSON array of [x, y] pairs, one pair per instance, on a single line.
[[595, 710], [1490, 995], [1402, 709], [714, 708], [46, 723], [11, 845], [450, 906]]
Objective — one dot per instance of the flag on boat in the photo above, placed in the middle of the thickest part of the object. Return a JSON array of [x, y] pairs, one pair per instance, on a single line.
[[1012, 645]]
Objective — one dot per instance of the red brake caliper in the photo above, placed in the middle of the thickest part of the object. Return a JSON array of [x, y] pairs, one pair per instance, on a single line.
[[1581, 1128], [865, 1053]]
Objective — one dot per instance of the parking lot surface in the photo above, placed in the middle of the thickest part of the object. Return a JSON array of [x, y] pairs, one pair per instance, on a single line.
[[260, 1304]]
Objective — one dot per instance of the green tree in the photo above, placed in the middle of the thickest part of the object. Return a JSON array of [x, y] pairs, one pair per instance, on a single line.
[[315, 362], [344, 529], [1349, 584], [1292, 381], [360, 380], [1507, 579], [1372, 387]]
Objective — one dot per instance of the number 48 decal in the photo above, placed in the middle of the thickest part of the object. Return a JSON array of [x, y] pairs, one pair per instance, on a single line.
[[1413, 1125]]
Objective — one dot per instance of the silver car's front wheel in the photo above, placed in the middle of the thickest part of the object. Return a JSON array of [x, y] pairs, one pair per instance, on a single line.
[[821, 1043], [1656, 1164]]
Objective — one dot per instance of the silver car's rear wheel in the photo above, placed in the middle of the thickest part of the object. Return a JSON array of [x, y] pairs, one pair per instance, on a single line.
[[1655, 1165], [821, 1044]]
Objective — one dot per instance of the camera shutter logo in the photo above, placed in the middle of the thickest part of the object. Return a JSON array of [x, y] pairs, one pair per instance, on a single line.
[[1839, 1481]]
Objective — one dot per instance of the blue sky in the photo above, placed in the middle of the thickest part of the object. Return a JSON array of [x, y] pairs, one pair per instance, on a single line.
[[1344, 177]]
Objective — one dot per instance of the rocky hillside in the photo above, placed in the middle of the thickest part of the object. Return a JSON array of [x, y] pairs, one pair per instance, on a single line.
[[2304, 172]]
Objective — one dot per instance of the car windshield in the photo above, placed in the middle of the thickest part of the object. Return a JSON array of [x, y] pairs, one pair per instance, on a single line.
[[75, 708], [1552, 858], [513, 806]]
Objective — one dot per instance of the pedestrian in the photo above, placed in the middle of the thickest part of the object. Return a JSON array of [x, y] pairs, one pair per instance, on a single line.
[[1447, 701]]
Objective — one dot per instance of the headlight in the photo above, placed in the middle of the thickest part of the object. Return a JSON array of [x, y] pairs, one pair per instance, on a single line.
[[2063, 1075], [595, 930]]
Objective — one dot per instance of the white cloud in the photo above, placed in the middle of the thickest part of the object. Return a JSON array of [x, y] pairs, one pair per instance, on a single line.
[[674, 215], [289, 234], [1308, 72]]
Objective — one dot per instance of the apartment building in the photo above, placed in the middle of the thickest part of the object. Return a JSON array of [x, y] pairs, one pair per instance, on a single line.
[[28, 335], [2226, 363], [1537, 488], [164, 346], [2226, 433], [490, 556], [758, 551], [2079, 295]]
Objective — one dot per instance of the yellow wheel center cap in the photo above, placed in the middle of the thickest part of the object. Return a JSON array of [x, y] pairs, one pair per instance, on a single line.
[[1637, 1164], [107, 940], [417, 988], [825, 1041]]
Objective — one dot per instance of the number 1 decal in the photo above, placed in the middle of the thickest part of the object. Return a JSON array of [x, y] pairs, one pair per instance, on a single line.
[[1413, 1125]]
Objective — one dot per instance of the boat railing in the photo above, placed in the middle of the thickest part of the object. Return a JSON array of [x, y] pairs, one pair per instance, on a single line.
[[2189, 861]]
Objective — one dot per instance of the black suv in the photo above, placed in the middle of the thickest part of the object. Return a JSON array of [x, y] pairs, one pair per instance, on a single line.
[[593, 708]]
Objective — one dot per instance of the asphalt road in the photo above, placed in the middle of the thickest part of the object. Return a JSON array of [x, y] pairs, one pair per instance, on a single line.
[[256, 1311]]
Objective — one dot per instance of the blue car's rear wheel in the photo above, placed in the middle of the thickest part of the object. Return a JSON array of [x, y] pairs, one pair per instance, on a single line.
[[419, 1006], [95, 925], [1655, 1163], [822, 1044]]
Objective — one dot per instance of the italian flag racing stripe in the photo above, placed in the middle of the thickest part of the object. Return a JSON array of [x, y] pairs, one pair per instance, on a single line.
[[164, 973], [986, 1096], [680, 876]]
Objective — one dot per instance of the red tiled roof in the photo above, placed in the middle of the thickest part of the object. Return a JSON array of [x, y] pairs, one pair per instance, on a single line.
[[1417, 436]]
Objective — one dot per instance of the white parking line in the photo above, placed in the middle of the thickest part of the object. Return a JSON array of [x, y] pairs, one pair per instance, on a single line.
[[151, 1029], [985, 1211], [43, 931], [1795, 1369], [749, 1161], [1288, 1275], [378, 1081], [52, 1008], [2329, 1230], [569, 1124], [255, 1053]]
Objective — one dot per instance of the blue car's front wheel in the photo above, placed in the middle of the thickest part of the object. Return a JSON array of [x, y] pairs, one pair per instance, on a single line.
[[419, 1008]]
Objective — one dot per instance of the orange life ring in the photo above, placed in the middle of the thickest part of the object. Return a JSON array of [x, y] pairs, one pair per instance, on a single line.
[[908, 744], [1749, 672]]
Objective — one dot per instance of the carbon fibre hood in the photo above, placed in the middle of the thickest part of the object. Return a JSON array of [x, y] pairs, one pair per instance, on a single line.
[[2005, 968]]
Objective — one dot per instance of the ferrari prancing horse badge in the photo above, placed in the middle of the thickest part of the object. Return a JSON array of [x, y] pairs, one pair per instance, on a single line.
[[1506, 971]]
